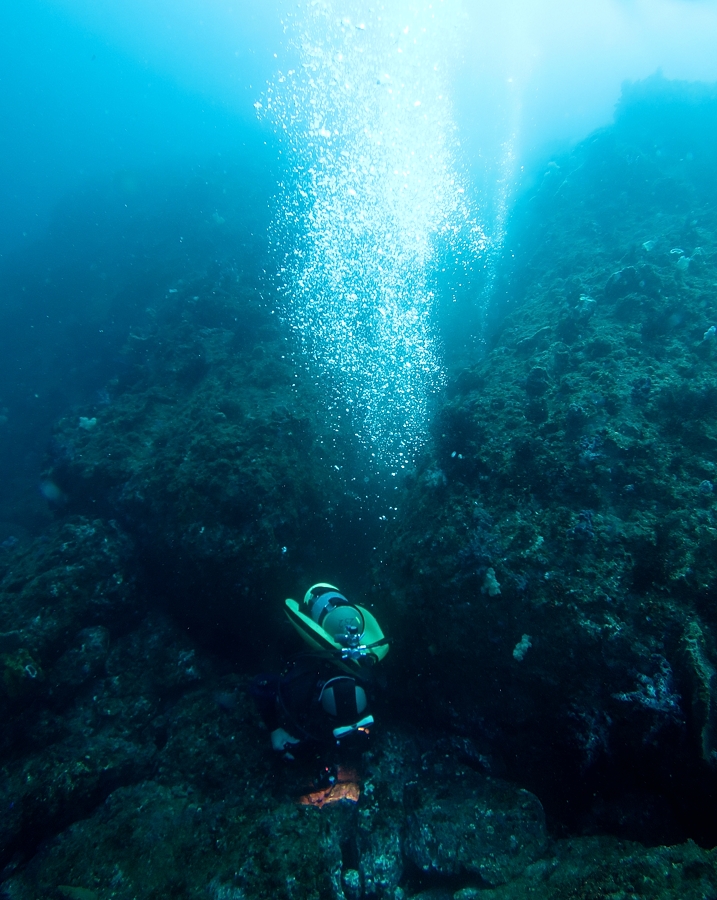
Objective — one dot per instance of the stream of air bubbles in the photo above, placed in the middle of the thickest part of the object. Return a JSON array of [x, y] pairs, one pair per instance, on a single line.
[[374, 195]]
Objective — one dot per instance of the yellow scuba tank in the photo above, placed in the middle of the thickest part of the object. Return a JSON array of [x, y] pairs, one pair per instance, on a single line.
[[330, 624]]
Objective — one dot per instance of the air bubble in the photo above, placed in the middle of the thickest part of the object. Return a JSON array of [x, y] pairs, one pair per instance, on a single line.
[[375, 194]]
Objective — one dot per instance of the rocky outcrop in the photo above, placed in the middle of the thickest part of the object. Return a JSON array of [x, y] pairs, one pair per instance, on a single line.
[[213, 455], [561, 535]]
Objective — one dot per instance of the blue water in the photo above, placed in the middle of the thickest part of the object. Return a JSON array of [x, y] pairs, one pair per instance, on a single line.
[[389, 142]]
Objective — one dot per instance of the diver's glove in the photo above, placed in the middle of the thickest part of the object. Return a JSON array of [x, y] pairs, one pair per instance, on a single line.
[[282, 742]]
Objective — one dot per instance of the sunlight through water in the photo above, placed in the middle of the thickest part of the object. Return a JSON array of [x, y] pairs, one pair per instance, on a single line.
[[375, 194]]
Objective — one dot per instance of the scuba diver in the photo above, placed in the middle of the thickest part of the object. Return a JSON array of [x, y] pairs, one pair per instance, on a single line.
[[322, 697]]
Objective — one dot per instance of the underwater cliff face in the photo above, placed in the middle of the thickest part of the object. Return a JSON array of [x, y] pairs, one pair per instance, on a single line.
[[557, 552], [209, 446], [548, 579], [111, 253]]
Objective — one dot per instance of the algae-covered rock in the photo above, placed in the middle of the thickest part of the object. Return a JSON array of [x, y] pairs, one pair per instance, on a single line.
[[471, 825], [67, 589], [574, 468], [150, 841], [96, 723], [214, 455], [599, 867]]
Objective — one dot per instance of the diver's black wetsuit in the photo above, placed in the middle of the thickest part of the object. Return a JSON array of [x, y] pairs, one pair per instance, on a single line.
[[292, 700]]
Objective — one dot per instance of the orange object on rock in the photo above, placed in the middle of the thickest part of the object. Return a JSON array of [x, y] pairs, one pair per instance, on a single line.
[[346, 787]]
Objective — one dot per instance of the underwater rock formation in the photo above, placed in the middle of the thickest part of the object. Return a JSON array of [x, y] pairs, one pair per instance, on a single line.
[[63, 599], [215, 821], [472, 825], [576, 464], [213, 456]]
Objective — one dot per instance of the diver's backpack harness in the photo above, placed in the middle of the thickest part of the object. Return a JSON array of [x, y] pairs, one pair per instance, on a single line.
[[330, 624]]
